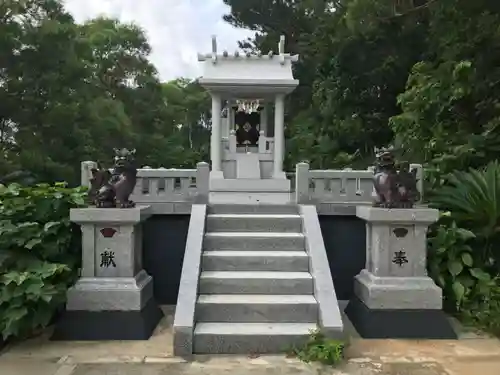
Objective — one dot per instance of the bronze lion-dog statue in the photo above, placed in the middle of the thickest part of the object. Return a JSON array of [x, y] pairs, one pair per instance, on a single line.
[[112, 189], [396, 186]]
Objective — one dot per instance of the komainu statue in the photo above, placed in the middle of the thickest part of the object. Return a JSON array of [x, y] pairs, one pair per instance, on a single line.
[[112, 189], [396, 186]]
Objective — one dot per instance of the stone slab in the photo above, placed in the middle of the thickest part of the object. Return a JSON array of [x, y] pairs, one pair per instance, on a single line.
[[329, 317], [254, 223], [407, 215], [249, 185], [398, 323], [397, 292], [93, 215], [270, 198], [261, 209], [257, 308], [188, 289], [247, 166], [255, 282], [243, 338], [108, 325], [248, 260], [253, 241], [109, 294]]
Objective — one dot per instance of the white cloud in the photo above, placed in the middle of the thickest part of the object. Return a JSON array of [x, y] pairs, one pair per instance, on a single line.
[[177, 29]]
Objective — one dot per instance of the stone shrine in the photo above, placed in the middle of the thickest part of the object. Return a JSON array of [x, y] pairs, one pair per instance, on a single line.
[[252, 261], [248, 107]]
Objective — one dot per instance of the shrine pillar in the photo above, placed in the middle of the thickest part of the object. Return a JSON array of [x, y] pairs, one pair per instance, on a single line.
[[216, 137], [279, 135], [263, 119]]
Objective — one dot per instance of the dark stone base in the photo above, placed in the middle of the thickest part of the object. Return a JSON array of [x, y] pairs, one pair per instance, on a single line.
[[399, 324], [108, 325]]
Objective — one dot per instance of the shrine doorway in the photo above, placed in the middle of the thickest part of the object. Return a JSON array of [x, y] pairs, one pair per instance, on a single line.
[[247, 126]]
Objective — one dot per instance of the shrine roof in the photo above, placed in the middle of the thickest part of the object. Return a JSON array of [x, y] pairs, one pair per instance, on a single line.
[[246, 72]]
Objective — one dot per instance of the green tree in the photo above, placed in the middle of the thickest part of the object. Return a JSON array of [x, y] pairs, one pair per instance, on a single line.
[[450, 112], [42, 81], [72, 92]]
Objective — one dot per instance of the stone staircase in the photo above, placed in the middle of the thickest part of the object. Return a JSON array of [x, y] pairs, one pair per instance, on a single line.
[[255, 292]]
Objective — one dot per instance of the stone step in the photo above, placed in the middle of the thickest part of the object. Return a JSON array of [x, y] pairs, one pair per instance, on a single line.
[[247, 260], [249, 185], [254, 209], [244, 338], [251, 198], [288, 223], [256, 308], [253, 241], [255, 282]]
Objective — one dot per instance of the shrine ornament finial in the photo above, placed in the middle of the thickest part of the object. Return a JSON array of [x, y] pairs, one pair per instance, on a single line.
[[281, 49], [214, 49]]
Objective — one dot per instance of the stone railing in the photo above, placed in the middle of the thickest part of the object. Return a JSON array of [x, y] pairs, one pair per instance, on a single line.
[[265, 145], [345, 186], [166, 190], [171, 191]]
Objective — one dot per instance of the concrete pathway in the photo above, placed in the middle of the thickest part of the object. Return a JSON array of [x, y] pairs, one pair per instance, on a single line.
[[471, 354], [266, 365]]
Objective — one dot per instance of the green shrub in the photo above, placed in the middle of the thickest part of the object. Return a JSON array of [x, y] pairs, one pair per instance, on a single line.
[[454, 266], [473, 200], [464, 257], [484, 311], [318, 348], [39, 254]]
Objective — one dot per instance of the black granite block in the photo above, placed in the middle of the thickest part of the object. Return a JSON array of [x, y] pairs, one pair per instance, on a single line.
[[399, 324], [108, 325]]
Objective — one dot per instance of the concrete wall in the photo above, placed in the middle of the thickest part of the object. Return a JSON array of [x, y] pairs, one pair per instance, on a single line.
[[165, 239], [345, 243]]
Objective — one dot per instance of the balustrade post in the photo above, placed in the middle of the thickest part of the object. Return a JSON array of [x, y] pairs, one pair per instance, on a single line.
[[302, 183], [262, 142], [202, 182], [232, 141], [86, 174], [420, 180]]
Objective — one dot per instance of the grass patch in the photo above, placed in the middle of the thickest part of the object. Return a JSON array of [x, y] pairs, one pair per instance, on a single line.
[[319, 348]]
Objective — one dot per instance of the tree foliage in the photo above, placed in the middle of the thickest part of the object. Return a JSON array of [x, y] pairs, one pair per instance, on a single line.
[[71, 92]]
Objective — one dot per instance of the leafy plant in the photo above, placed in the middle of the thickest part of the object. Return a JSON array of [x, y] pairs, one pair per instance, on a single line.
[[39, 254], [484, 312], [473, 200], [319, 348], [453, 265]]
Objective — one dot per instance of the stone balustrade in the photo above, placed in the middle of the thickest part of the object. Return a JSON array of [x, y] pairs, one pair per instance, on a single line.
[[266, 144], [167, 191], [335, 186], [171, 191]]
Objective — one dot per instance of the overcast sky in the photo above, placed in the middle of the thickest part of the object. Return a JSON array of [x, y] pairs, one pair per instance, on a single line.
[[177, 29]]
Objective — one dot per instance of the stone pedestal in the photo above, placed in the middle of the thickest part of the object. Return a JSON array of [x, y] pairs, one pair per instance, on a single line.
[[113, 299], [394, 297]]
